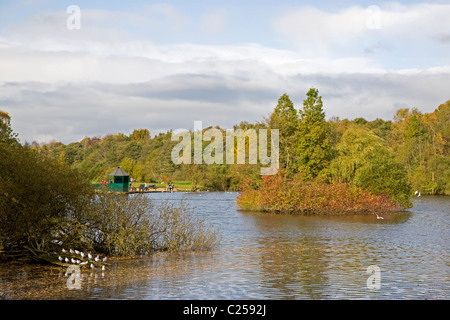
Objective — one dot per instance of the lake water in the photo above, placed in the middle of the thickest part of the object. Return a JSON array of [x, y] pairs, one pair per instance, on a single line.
[[264, 256]]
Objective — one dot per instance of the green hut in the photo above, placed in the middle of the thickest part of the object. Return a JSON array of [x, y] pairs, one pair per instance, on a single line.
[[120, 180]]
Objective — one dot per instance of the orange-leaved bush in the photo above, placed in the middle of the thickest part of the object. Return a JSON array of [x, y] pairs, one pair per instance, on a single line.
[[279, 195]]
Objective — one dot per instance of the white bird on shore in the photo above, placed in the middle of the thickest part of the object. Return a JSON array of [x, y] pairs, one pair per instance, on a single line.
[[60, 258], [89, 256], [77, 252], [64, 250], [82, 254], [103, 268], [71, 251], [104, 259], [73, 260], [92, 266], [97, 259], [66, 260], [83, 263]]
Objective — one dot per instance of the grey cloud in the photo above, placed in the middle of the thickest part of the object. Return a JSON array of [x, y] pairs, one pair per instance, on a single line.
[[379, 46], [196, 87], [69, 112], [72, 111], [444, 38]]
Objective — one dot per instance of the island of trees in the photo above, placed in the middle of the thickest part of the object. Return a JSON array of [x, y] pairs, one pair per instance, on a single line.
[[358, 166]]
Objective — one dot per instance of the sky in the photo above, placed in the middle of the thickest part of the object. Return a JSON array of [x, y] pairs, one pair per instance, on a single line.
[[116, 66]]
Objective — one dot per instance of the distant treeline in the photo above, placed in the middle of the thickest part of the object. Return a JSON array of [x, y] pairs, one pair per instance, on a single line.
[[413, 146]]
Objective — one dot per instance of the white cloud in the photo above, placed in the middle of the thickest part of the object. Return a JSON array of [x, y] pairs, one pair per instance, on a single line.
[[416, 21], [350, 30]]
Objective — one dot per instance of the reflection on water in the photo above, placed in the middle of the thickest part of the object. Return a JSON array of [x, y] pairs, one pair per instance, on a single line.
[[265, 256]]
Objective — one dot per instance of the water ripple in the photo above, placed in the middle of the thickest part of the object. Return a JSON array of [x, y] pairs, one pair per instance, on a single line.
[[272, 257]]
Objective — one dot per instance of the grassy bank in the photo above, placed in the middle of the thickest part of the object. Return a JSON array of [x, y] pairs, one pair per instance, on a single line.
[[180, 185]]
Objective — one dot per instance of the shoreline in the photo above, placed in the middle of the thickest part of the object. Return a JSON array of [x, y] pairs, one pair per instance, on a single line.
[[157, 190]]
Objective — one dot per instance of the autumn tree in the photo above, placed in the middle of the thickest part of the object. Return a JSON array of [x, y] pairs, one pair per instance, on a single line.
[[140, 134], [62, 158], [428, 138], [6, 132]]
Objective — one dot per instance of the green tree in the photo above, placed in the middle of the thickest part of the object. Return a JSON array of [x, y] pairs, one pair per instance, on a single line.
[[352, 152], [415, 128], [364, 161], [313, 150], [360, 121], [128, 165], [285, 118], [218, 177]]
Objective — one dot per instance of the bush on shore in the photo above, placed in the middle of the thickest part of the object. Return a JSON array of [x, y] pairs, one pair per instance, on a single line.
[[132, 224]]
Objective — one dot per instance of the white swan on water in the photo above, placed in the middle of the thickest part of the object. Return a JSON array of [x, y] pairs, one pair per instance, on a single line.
[[379, 217]]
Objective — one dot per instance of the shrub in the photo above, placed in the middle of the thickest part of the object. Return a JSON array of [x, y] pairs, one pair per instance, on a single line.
[[178, 230], [131, 224], [278, 194]]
